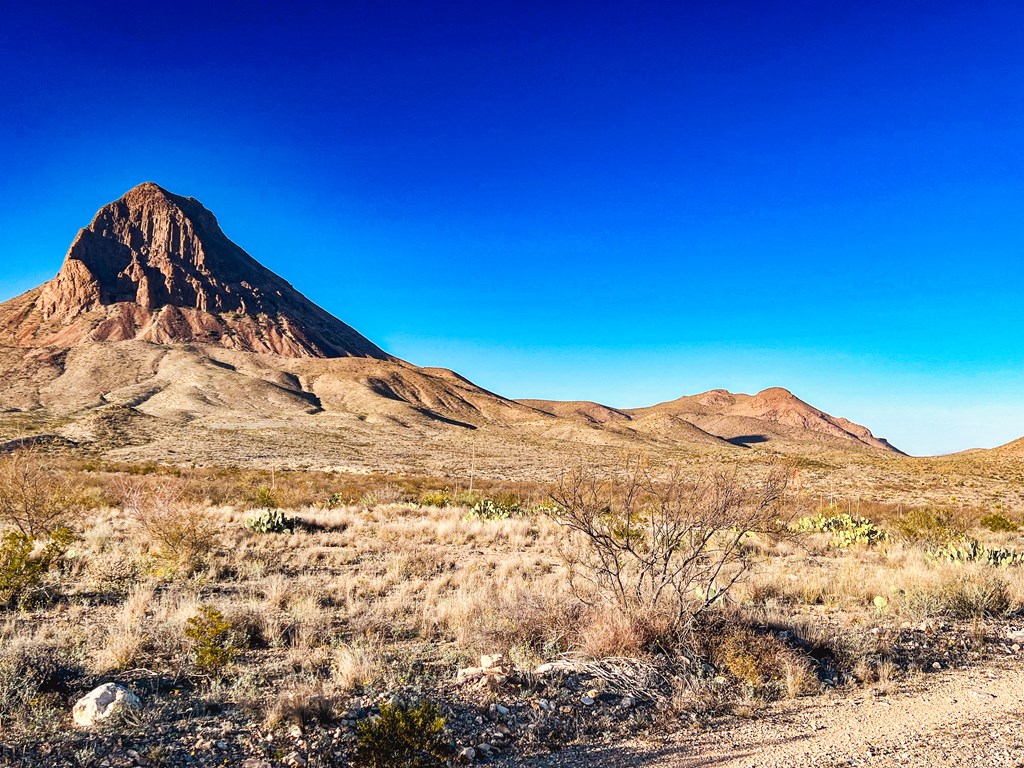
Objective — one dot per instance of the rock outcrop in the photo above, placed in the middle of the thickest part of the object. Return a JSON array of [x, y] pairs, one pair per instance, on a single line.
[[157, 267]]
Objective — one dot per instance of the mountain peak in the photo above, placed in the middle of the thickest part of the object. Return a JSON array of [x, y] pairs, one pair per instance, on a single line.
[[156, 266]]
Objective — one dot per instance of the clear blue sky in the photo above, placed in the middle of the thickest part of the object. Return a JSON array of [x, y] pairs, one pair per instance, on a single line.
[[623, 202]]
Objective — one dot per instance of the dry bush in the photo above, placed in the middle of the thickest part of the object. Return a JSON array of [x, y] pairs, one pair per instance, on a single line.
[[36, 676], [661, 548], [488, 615], [301, 704], [36, 499], [974, 595], [127, 634], [355, 667], [763, 663], [178, 528]]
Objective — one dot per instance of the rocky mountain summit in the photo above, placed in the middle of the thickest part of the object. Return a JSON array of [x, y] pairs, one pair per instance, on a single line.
[[155, 266]]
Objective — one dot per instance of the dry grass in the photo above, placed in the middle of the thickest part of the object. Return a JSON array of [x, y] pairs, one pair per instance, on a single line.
[[359, 599]]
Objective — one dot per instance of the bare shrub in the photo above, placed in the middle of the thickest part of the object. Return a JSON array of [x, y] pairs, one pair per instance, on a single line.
[[300, 705], [177, 527], [35, 499], [661, 548]]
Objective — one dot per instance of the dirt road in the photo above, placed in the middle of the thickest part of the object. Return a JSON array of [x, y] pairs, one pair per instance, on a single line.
[[972, 717]]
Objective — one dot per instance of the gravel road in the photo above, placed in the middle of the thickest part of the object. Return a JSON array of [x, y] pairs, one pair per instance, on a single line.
[[966, 717]]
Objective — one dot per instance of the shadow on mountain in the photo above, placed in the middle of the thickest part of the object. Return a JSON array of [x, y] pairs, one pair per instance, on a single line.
[[745, 441], [438, 417]]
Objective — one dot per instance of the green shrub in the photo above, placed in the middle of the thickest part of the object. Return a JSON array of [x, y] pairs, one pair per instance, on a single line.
[[846, 529], [436, 499], [997, 522], [212, 637], [931, 526], [270, 521], [22, 568], [404, 736], [264, 498]]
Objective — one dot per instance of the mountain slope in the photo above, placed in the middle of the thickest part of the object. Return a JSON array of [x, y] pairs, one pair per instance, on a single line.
[[155, 266]]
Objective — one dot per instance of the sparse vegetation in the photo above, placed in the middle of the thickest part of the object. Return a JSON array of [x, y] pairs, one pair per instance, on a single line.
[[363, 604], [35, 499]]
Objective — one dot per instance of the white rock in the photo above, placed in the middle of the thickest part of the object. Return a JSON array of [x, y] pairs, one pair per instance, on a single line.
[[102, 702], [543, 669], [627, 702], [587, 700], [492, 660], [468, 755]]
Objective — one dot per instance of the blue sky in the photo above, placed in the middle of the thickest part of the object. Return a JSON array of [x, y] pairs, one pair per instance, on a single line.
[[608, 201]]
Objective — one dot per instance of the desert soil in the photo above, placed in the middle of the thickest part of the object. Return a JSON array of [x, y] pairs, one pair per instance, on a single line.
[[963, 717]]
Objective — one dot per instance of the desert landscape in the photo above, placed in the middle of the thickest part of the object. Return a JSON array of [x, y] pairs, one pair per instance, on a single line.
[[237, 532]]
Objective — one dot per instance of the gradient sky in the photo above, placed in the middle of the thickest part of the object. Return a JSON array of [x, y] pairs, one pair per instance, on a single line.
[[624, 202]]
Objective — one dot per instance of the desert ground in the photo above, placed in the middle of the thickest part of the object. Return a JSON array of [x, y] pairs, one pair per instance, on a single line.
[[312, 617]]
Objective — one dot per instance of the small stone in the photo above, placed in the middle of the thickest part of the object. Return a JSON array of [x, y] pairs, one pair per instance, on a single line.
[[936, 665], [587, 700], [489, 661], [484, 747], [627, 702], [502, 710], [102, 702], [467, 755]]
